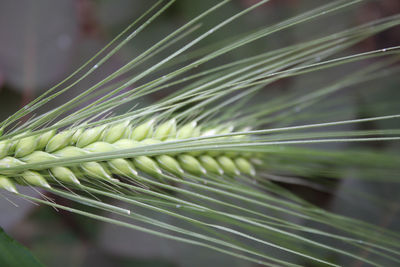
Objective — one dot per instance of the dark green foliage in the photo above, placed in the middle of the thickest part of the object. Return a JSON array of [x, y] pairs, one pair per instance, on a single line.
[[14, 254]]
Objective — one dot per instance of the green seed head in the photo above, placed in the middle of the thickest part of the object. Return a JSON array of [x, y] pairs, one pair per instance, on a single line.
[[6, 184], [165, 130], [35, 179], [110, 137], [142, 131]]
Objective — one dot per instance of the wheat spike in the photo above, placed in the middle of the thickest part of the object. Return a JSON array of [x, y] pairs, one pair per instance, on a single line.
[[111, 137]]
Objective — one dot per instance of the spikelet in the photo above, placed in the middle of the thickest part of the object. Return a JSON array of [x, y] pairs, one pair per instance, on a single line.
[[210, 164], [35, 179], [7, 184], [59, 141], [70, 143], [142, 131], [25, 146], [44, 138], [4, 148]]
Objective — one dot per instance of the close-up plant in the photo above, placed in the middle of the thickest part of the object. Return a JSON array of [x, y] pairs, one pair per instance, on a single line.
[[244, 133]]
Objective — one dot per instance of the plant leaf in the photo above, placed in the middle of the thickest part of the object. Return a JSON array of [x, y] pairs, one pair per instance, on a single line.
[[14, 254]]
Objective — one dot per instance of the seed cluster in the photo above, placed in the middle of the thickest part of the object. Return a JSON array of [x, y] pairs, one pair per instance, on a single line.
[[111, 137]]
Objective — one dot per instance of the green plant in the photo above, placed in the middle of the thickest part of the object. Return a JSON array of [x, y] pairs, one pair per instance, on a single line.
[[199, 156]]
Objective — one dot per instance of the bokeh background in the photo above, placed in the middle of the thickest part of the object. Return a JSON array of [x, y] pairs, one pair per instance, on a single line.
[[43, 41]]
